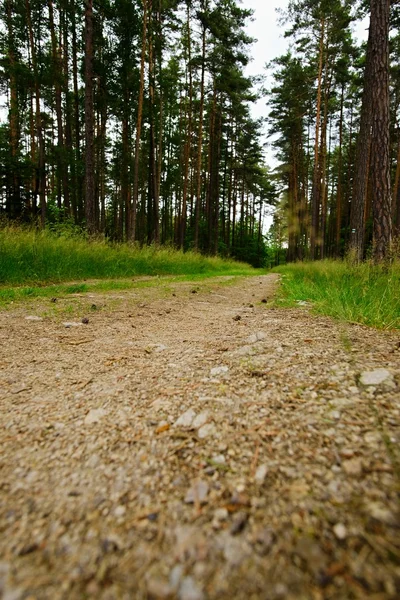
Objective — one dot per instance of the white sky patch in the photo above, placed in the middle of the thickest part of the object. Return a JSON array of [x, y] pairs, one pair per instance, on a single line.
[[270, 43]]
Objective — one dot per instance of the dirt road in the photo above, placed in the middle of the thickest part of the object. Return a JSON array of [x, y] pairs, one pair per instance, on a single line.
[[193, 442]]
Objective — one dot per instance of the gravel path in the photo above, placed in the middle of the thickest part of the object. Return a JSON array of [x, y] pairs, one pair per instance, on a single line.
[[194, 442]]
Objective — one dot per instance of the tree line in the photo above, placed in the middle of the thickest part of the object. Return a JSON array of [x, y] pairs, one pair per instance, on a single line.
[[335, 118], [132, 118]]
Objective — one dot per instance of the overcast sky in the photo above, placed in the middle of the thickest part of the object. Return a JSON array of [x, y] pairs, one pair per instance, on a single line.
[[270, 44], [266, 30]]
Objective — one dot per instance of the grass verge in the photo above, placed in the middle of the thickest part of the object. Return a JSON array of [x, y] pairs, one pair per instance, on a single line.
[[34, 259], [366, 293]]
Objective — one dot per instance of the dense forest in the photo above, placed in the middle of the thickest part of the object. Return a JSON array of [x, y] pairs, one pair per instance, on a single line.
[[132, 119]]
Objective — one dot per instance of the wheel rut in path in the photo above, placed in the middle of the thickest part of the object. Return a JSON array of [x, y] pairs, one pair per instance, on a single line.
[[193, 442]]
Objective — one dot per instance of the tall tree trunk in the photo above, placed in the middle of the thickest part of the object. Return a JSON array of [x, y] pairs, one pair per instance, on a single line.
[[230, 188], [380, 147], [62, 168], [322, 166], [161, 103], [188, 141], [34, 179], [153, 219], [338, 227], [211, 170], [315, 194], [41, 167], [361, 168], [125, 180], [135, 195], [200, 138], [77, 126], [90, 209], [70, 197], [14, 210]]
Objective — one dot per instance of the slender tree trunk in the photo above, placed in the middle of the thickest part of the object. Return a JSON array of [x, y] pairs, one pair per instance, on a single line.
[[90, 209], [161, 103], [200, 140], [77, 125], [188, 141], [68, 127], [41, 168], [125, 184], [315, 195], [323, 173], [135, 195], [212, 165], [14, 210], [338, 227], [380, 151], [230, 188], [153, 218], [62, 168], [216, 192], [361, 168], [34, 179]]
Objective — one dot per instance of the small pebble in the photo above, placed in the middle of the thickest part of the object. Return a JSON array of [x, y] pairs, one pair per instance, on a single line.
[[340, 531], [261, 474], [120, 511], [222, 370]]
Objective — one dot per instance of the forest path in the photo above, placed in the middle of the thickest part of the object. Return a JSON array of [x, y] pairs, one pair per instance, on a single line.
[[192, 442]]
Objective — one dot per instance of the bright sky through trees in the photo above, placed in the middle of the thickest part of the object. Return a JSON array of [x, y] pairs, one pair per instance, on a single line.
[[272, 43]]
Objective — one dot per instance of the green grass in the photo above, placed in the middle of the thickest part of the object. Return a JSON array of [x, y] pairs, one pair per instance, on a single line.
[[28, 256], [40, 263], [365, 293]]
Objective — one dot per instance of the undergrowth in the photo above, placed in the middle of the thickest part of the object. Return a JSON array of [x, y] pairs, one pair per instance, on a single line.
[[34, 258], [365, 293]]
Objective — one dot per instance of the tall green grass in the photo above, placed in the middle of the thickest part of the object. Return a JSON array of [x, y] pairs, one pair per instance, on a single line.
[[31, 257], [365, 293]]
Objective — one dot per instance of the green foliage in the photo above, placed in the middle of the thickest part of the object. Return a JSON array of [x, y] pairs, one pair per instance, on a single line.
[[251, 249], [365, 293], [29, 256]]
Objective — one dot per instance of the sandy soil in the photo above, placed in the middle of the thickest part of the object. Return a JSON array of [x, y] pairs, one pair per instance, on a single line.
[[193, 442]]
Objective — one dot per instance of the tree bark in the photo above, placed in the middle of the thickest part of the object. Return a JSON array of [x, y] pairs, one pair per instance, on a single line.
[[14, 210], [200, 140], [361, 168], [135, 195], [188, 140], [315, 194], [90, 209], [338, 227], [62, 167], [41, 168], [380, 152]]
